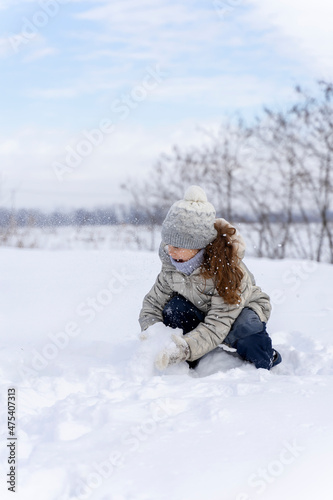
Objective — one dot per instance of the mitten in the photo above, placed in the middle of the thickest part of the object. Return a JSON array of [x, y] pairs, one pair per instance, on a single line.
[[177, 352], [144, 335]]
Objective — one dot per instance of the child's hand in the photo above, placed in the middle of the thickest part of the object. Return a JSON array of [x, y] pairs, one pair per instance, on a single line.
[[177, 352]]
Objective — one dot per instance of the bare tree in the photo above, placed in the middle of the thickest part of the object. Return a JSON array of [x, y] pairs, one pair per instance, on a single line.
[[214, 166], [275, 174], [315, 115]]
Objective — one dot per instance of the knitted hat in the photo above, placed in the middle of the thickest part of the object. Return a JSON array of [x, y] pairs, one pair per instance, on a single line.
[[190, 222]]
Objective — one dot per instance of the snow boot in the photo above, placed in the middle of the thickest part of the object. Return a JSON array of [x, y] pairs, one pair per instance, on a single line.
[[277, 358]]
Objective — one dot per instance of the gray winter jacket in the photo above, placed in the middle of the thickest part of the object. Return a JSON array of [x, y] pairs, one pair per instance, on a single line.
[[203, 294]]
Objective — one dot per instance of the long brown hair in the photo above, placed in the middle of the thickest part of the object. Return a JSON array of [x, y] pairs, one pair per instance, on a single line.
[[221, 263]]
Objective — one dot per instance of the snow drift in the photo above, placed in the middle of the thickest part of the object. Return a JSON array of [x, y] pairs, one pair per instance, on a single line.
[[95, 420]]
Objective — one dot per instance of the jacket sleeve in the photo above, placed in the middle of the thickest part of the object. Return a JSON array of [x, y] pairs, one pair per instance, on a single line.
[[218, 322], [154, 302]]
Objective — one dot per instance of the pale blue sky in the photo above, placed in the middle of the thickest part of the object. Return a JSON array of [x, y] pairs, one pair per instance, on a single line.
[[157, 69]]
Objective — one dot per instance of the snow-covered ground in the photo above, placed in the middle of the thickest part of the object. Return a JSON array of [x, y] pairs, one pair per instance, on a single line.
[[96, 421], [115, 237]]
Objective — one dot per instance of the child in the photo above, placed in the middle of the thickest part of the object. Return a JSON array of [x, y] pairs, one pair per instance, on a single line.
[[205, 289]]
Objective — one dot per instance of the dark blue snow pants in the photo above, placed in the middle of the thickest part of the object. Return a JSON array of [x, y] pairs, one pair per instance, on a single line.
[[247, 335]]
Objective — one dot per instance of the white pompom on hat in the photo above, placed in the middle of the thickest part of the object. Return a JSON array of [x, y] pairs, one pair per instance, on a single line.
[[190, 222]]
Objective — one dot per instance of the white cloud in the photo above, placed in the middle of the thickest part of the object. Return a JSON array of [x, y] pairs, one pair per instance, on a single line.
[[40, 54], [204, 79], [168, 33], [301, 27], [8, 146], [4, 4], [224, 92], [133, 16], [5, 47], [160, 31], [54, 93], [130, 152]]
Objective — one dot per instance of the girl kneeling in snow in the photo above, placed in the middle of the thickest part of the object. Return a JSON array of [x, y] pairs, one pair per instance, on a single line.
[[206, 290]]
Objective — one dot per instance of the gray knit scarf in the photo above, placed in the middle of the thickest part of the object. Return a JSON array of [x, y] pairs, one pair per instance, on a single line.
[[190, 265]]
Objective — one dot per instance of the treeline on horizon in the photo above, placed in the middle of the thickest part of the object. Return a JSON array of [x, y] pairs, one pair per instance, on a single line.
[[113, 215]]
